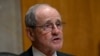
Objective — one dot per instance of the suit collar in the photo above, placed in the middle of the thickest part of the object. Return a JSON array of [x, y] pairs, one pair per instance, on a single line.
[[29, 53]]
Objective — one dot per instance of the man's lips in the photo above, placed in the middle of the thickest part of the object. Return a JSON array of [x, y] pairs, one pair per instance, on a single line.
[[56, 39]]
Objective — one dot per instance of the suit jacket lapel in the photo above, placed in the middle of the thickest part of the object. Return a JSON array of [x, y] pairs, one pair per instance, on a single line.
[[28, 52]]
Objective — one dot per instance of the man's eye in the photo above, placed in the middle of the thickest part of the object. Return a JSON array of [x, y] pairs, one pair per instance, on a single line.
[[59, 24], [48, 25]]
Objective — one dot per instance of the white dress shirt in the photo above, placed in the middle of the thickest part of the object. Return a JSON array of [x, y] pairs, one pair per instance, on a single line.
[[36, 52]]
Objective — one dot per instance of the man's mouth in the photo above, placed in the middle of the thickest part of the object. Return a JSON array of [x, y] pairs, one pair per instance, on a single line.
[[56, 40]]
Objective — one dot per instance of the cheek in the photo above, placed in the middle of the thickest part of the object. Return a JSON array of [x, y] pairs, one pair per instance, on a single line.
[[61, 33], [44, 37]]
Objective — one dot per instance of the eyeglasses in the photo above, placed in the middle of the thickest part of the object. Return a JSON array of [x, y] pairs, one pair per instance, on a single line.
[[50, 26]]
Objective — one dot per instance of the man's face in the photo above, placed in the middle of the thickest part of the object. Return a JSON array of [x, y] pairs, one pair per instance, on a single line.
[[48, 33]]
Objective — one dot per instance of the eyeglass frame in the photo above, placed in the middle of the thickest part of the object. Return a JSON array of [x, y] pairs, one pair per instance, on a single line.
[[51, 26]]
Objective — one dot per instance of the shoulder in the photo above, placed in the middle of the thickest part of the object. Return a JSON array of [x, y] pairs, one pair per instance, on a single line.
[[27, 53], [63, 54]]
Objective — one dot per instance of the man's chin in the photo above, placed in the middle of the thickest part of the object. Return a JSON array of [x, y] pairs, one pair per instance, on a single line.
[[58, 47]]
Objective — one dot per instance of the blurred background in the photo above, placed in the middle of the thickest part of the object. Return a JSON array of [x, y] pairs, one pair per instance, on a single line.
[[81, 32]]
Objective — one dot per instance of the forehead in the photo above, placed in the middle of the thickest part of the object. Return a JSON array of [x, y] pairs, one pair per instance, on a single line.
[[46, 13]]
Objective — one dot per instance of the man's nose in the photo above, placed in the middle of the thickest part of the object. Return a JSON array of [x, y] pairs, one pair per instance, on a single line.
[[55, 29]]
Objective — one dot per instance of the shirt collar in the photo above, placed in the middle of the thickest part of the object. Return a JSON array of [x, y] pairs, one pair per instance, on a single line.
[[36, 52]]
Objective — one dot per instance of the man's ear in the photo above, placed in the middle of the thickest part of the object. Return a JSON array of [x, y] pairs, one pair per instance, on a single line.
[[30, 33]]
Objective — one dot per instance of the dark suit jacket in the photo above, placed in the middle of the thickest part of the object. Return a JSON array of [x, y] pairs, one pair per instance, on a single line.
[[29, 53]]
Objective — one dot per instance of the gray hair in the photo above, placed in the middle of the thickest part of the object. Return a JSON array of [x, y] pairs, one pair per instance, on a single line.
[[30, 19]]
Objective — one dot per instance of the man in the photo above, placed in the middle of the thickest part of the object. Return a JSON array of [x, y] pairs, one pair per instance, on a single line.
[[44, 28]]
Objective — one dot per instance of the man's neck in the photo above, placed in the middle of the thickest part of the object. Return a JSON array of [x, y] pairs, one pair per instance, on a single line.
[[43, 52]]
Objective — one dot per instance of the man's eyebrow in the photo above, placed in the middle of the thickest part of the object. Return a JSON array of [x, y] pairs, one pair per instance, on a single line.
[[58, 20], [49, 21]]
